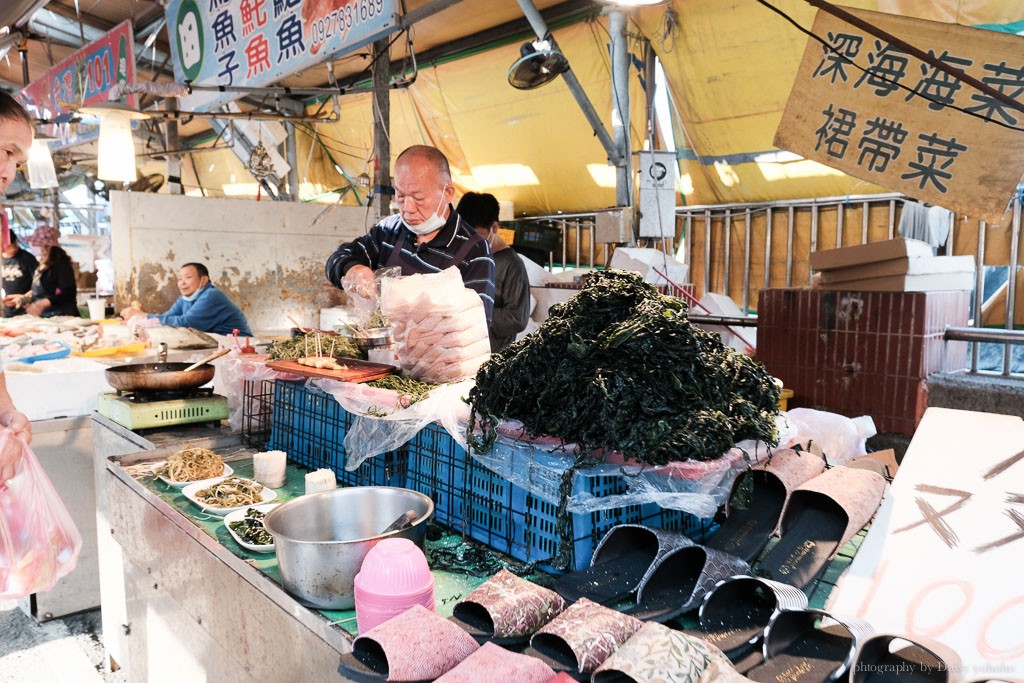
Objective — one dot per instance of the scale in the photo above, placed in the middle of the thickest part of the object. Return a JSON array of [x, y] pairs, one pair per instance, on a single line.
[[150, 409]]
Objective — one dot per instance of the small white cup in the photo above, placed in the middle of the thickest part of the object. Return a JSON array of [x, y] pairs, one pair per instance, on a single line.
[[97, 309], [269, 468]]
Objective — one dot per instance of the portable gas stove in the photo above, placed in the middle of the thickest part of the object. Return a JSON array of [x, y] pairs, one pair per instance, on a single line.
[[150, 409]]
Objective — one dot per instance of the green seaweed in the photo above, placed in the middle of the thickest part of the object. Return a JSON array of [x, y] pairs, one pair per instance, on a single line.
[[620, 367]]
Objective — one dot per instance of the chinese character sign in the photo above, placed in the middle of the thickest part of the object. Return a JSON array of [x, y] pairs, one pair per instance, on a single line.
[[258, 42], [85, 77], [876, 112]]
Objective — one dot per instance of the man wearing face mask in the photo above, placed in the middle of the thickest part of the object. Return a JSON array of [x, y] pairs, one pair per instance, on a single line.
[[426, 236], [201, 305], [511, 284]]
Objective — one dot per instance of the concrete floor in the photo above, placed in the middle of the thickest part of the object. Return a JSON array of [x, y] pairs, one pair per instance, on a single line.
[[57, 651]]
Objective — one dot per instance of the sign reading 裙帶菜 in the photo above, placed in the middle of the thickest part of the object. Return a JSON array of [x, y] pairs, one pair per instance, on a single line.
[[876, 112], [258, 42]]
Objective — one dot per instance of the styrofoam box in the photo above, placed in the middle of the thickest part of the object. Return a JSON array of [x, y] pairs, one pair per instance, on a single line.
[[56, 388]]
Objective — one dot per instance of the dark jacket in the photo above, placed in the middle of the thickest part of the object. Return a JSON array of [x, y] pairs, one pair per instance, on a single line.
[[17, 276], [57, 283]]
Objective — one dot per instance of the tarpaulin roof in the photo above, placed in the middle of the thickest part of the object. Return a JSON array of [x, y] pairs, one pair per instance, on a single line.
[[729, 67]]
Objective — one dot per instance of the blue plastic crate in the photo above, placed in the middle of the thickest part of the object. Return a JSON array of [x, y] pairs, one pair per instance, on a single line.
[[487, 507], [310, 426]]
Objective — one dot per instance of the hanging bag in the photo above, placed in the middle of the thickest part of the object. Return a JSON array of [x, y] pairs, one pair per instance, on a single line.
[[38, 539]]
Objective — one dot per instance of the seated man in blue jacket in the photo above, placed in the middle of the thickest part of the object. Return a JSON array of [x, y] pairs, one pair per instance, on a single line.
[[201, 306]]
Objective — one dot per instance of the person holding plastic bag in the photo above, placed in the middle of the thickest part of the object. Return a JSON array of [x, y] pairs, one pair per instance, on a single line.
[[426, 236], [38, 540], [15, 140]]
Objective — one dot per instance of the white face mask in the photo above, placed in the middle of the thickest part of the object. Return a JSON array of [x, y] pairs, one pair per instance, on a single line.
[[432, 223]]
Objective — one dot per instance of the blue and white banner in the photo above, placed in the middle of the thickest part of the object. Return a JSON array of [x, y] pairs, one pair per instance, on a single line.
[[259, 42]]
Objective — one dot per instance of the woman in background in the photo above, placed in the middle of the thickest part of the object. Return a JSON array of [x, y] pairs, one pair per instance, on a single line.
[[54, 291]]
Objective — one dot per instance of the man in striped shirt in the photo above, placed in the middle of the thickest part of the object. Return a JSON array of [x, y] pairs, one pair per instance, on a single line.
[[426, 236]]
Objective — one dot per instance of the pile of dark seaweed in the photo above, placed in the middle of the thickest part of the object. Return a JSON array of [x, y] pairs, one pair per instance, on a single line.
[[620, 367]]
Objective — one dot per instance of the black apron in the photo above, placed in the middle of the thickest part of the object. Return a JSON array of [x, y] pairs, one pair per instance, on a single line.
[[395, 257]]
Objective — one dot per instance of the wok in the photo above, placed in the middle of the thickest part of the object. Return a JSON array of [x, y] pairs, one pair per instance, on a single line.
[[158, 376]]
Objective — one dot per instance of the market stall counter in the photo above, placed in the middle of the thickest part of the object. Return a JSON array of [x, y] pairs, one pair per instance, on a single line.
[[199, 606]]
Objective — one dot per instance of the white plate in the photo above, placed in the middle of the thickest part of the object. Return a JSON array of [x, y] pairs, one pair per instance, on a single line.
[[239, 515], [182, 484], [191, 490]]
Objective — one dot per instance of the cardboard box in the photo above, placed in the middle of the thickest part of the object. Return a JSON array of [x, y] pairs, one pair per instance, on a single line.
[[859, 254], [934, 282], [915, 265]]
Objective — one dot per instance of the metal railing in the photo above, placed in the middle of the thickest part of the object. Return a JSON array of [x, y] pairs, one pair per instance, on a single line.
[[978, 336], [707, 236], [577, 228]]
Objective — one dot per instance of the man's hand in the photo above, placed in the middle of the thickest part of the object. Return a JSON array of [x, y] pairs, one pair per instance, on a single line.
[[10, 455], [131, 312], [358, 282]]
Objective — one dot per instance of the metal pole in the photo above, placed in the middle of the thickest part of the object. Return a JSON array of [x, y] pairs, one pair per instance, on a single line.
[[173, 159], [593, 247], [292, 157], [839, 224], [381, 129], [707, 251], [579, 243], [813, 246], [768, 249], [979, 291], [746, 261], [727, 252], [620, 108], [1011, 283], [789, 250], [892, 218], [864, 223]]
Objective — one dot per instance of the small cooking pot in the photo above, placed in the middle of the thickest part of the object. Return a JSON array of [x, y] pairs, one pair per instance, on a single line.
[[321, 539], [158, 376]]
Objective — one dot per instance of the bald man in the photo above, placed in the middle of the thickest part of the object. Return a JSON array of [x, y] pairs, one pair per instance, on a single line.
[[426, 236]]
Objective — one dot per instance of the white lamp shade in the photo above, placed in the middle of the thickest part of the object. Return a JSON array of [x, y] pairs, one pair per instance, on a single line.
[[41, 173], [117, 148]]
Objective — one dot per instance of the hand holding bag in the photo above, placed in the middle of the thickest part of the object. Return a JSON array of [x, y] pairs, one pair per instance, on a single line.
[[38, 539]]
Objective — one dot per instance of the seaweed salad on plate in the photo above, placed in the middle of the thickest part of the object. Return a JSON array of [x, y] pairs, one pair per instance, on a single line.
[[620, 367]]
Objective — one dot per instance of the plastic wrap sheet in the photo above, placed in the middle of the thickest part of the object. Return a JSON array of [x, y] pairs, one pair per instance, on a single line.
[[235, 369], [836, 438], [383, 421], [538, 465]]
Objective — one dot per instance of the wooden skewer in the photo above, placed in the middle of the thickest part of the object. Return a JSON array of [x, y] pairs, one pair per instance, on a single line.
[[300, 328]]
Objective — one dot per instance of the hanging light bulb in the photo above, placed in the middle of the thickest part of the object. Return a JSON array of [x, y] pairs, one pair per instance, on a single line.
[[41, 173], [116, 146]]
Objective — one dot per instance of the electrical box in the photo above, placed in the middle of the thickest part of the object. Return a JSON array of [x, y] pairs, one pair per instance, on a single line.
[[613, 226], [659, 172]]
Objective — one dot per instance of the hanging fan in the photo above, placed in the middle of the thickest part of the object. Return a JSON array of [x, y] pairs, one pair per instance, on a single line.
[[539, 64], [147, 183]]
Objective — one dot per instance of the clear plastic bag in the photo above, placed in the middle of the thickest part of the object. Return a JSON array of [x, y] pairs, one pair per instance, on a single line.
[[39, 542]]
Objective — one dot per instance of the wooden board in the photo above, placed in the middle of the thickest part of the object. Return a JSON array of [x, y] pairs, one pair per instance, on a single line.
[[356, 371]]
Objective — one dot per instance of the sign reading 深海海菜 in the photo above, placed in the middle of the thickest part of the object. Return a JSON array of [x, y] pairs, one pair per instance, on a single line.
[[82, 78], [258, 42], [876, 112]]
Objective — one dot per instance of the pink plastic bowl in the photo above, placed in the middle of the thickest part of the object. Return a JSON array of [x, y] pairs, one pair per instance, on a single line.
[[394, 567], [370, 614]]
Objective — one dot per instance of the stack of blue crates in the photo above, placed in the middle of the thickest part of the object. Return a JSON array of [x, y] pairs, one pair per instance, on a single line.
[[310, 426], [487, 507]]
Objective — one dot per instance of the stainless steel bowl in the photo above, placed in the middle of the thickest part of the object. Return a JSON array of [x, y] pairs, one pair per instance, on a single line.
[[321, 539], [376, 337]]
